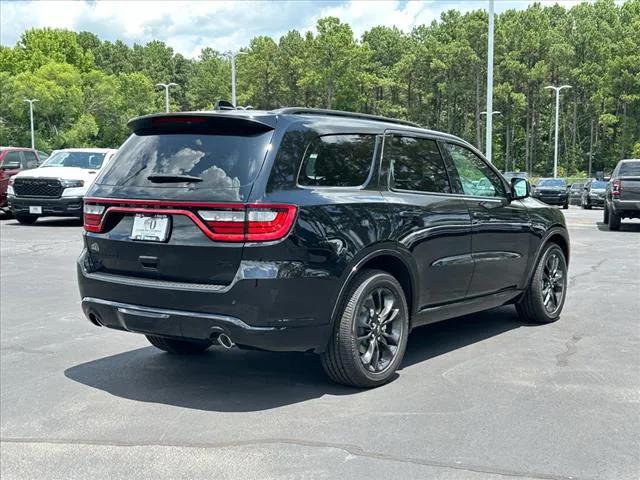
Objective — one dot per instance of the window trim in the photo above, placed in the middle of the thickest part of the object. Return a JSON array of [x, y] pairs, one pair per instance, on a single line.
[[436, 140], [505, 184], [372, 166]]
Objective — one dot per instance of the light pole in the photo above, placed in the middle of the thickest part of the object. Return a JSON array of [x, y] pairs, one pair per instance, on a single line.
[[489, 134], [166, 93], [31, 102], [489, 124], [555, 148], [231, 55]]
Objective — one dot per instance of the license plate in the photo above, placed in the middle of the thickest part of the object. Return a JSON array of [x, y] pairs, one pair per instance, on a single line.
[[35, 210], [152, 228]]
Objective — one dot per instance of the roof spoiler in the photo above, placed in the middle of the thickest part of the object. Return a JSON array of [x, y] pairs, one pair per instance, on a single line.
[[199, 122]]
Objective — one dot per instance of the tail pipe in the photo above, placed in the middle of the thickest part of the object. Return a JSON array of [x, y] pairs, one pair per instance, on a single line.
[[220, 336]]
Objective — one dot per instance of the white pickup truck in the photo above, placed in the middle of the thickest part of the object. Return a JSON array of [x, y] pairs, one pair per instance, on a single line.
[[56, 187]]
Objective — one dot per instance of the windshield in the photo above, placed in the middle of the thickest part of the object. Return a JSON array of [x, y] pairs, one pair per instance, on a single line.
[[598, 185], [88, 160], [218, 161], [552, 182]]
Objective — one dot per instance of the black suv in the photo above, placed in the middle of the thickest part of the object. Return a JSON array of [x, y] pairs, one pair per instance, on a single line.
[[313, 231]]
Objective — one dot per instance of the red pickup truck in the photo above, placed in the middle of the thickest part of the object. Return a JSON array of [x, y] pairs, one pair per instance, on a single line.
[[623, 193], [12, 161]]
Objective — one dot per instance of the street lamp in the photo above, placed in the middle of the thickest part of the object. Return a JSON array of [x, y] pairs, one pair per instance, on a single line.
[[488, 140], [166, 93], [231, 55], [555, 148], [31, 102]]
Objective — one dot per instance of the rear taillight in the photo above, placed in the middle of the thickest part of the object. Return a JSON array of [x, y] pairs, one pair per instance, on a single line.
[[222, 222], [93, 217], [616, 188], [250, 223]]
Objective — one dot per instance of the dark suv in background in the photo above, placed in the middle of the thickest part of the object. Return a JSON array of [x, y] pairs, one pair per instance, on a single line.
[[312, 231], [552, 191]]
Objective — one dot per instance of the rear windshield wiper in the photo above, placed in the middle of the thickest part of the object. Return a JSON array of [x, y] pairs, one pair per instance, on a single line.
[[157, 178]]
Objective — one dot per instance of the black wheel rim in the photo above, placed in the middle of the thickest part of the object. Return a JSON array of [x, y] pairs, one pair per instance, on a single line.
[[379, 329], [553, 283]]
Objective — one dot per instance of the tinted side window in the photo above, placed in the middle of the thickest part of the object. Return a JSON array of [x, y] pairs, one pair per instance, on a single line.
[[31, 159], [475, 175], [416, 165], [12, 158], [338, 161]]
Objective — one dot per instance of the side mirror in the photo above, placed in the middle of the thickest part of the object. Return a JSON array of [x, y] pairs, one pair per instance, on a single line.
[[520, 188], [10, 165]]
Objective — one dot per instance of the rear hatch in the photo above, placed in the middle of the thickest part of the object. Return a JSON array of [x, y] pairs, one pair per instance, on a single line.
[[150, 212], [629, 176]]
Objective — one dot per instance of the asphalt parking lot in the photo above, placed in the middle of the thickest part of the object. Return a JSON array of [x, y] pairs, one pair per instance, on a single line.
[[479, 397]]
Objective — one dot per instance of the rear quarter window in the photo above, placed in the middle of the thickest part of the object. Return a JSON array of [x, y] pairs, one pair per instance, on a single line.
[[337, 161]]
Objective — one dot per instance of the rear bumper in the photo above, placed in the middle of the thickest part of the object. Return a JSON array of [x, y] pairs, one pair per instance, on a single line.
[[54, 207], [627, 208], [277, 314]]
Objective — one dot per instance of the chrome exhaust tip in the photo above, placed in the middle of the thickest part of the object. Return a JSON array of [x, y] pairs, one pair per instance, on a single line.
[[225, 341]]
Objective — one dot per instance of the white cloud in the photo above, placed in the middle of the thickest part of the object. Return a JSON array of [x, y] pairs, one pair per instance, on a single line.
[[189, 26]]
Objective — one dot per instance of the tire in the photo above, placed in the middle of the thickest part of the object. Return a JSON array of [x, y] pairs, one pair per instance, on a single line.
[[26, 219], [614, 220], [178, 347], [605, 214], [533, 307], [351, 357]]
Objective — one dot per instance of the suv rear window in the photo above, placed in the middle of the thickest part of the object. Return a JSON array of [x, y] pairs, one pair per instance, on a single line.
[[338, 161], [630, 169], [221, 161]]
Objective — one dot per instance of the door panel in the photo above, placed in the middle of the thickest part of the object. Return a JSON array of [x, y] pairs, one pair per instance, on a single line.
[[500, 244], [436, 230]]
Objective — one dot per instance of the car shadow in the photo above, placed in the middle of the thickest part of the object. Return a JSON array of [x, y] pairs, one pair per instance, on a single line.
[[248, 380], [47, 222], [624, 227]]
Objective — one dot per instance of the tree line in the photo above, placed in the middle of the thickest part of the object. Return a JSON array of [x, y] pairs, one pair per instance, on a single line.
[[434, 75]]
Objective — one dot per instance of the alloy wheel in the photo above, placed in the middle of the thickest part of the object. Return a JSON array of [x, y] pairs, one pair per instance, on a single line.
[[379, 329], [553, 283]]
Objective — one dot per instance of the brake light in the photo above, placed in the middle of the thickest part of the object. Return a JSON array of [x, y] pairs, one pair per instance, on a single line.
[[222, 222], [250, 223], [93, 217], [616, 188]]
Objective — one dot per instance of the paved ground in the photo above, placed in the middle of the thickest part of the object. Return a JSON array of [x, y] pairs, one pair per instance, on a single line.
[[483, 397]]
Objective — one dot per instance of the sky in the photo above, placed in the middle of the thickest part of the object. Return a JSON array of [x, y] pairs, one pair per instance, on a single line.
[[188, 26]]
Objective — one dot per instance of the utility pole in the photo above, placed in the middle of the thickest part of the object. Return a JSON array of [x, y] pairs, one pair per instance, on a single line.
[[166, 93], [31, 102], [489, 134], [231, 55], [555, 148]]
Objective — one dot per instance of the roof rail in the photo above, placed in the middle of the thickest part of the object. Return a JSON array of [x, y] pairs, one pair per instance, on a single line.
[[340, 113]]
